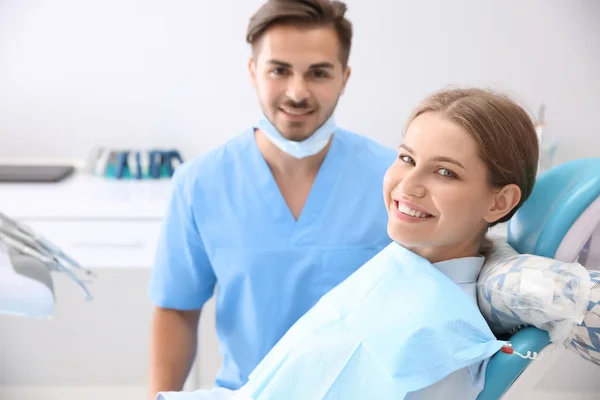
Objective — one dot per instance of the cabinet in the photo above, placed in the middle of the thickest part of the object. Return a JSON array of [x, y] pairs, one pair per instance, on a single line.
[[117, 243]]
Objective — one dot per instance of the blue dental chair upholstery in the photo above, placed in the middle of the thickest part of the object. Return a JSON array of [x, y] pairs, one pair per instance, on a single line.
[[560, 196]]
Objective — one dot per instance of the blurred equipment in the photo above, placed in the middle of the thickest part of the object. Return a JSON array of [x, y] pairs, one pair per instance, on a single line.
[[26, 263], [131, 164], [547, 144], [35, 173]]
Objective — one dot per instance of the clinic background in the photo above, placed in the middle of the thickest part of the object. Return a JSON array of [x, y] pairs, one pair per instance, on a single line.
[[77, 74], [131, 74]]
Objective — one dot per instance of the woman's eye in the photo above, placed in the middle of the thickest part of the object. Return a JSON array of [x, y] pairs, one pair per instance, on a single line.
[[406, 159], [446, 173]]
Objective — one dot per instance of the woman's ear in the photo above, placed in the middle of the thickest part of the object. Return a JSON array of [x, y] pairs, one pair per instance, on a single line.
[[503, 202]]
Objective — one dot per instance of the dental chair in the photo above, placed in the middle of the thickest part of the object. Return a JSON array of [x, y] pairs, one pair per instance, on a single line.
[[560, 220]]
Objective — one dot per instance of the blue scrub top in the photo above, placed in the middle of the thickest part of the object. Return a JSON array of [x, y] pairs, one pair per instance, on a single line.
[[228, 224]]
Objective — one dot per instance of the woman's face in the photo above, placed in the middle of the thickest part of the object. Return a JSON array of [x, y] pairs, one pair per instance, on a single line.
[[437, 193]]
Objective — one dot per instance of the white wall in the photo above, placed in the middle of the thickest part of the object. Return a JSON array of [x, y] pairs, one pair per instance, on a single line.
[[75, 74]]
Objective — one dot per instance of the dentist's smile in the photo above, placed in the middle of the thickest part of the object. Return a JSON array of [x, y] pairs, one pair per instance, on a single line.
[[296, 114]]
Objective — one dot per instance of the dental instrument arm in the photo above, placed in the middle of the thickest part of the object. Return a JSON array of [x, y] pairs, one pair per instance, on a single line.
[[173, 344], [26, 263]]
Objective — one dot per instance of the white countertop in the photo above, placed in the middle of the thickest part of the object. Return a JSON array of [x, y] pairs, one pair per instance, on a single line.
[[83, 196]]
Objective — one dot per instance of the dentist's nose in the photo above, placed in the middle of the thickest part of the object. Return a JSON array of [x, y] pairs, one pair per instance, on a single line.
[[297, 90], [412, 185]]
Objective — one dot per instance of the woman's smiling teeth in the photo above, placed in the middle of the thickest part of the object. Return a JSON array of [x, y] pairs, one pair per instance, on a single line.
[[413, 213]]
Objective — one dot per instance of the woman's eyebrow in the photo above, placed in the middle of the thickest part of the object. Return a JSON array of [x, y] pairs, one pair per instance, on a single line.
[[448, 160], [407, 148], [438, 158]]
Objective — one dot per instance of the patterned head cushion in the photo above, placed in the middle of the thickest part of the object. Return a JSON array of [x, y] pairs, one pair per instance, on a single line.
[[560, 298], [586, 341]]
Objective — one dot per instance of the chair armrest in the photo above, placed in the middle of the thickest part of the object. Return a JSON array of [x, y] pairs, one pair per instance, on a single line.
[[504, 369]]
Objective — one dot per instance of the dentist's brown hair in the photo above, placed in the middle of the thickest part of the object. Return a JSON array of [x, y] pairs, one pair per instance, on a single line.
[[303, 13]]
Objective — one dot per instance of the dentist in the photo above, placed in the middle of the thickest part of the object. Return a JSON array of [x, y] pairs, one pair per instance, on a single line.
[[277, 216]]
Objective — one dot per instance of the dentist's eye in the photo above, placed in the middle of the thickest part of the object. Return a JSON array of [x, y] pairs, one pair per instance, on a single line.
[[279, 71], [446, 173], [319, 74], [406, 159]]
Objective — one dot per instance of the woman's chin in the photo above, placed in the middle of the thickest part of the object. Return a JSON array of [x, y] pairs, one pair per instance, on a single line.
[[408, 243], [408, 236]]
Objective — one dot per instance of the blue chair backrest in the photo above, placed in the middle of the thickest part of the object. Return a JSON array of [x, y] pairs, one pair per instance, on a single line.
[[560, 196]]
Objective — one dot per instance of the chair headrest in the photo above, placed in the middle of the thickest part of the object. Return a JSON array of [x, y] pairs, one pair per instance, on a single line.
[[560, 197]]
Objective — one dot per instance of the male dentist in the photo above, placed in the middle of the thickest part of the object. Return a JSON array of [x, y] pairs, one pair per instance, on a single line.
[[277, 216]]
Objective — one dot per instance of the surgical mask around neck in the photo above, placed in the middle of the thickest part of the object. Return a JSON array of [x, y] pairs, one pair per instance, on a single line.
[[308, 147]]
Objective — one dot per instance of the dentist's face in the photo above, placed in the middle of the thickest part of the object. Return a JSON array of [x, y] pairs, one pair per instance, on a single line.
[[298, 77], [437, 193]]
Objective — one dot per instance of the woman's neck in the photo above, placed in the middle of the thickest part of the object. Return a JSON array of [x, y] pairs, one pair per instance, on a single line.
[[450, 252]]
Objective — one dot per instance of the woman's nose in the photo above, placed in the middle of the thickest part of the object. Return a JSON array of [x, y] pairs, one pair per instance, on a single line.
[[412, 184]]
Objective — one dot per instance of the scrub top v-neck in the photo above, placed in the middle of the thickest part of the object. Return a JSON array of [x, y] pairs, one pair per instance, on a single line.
[[317, 202], [229, 226]]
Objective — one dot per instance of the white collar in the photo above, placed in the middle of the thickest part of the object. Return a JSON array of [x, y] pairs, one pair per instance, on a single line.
[[461, 270]]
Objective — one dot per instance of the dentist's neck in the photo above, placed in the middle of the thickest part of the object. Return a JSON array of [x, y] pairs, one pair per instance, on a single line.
[[283, 164]]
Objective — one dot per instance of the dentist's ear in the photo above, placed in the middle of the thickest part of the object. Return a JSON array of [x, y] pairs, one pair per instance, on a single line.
[[347, 72], [503, 202], [252, 71]]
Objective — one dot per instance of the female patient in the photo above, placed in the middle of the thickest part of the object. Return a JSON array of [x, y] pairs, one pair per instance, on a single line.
[[467, 161]]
